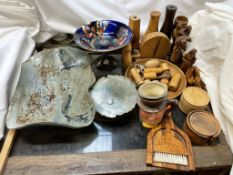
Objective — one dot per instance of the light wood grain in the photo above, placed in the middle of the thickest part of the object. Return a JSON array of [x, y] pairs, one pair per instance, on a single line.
[[193, 98], [167, 138], [196, 96], [173, 69], [153, 23], [6, 149], [134, 24], [148, 45], [155, 44]]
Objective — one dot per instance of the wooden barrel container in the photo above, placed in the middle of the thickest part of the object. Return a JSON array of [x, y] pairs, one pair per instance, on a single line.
[[201, 127]]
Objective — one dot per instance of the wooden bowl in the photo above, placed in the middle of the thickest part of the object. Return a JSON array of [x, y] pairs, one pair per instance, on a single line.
[[201, 127], [173, 69]]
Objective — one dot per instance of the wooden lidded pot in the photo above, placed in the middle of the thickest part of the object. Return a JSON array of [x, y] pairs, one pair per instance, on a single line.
[[201, 127], [193, 98]]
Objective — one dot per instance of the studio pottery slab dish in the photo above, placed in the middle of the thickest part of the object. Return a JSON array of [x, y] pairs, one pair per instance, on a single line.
[[103, 36], [114, 96], [53, 89]]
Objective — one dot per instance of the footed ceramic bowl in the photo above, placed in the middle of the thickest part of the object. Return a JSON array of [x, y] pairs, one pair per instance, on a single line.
[[103, 36], [114, 96]]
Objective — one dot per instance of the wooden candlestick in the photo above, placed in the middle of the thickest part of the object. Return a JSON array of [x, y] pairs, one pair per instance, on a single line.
[[167, 26], [134, 24], [153, 23]]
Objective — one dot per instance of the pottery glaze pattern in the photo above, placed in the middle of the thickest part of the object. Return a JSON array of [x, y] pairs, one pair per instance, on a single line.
[[53, 89], [103, 36], [114, 96]]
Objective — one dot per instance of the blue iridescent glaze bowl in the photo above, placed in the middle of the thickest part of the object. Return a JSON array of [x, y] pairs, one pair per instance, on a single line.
[[103, 36]]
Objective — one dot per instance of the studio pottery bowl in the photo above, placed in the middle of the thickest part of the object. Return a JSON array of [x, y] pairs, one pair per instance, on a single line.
[[152, 90], [103, 36], [114, 96]]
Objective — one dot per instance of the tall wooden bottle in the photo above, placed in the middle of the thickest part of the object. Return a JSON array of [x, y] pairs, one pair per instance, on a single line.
[[167, 27]]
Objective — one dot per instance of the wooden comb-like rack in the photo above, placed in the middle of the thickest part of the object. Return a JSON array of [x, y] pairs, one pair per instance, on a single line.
[[169, 147]]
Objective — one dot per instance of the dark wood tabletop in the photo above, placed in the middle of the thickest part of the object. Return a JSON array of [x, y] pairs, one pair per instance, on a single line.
[[105, 147]]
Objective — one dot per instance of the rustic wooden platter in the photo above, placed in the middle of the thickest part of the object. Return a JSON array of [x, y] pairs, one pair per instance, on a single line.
[[173, 68]]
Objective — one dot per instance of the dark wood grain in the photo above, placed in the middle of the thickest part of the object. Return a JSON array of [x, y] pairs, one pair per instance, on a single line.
[[133, 161]]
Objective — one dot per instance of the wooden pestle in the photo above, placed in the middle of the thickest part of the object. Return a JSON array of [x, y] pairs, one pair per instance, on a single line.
[[153, 23], [175, 82], [136, 76], [134, 24], [150, 75], [165, 67], [158, 70]]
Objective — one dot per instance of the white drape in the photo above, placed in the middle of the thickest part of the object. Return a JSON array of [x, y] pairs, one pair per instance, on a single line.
[[24, 22]]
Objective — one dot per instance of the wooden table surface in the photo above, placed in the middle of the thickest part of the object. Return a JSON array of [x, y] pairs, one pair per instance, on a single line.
[[116, 162], [103, 148], [117, 147]]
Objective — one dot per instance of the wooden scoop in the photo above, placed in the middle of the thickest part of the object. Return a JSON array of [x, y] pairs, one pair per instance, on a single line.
[[169, 147]]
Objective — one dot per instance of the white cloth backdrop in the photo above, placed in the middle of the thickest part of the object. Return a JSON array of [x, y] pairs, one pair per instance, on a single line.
[[213, 37], [24, 22]]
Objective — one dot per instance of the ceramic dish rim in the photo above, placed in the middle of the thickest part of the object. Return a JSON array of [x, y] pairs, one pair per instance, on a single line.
[[104, 50]]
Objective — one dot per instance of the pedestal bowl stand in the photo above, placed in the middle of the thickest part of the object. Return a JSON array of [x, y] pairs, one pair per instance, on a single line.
[[103, 37]]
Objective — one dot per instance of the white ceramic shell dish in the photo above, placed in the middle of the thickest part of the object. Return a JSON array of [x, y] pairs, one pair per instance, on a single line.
[[114, 95]]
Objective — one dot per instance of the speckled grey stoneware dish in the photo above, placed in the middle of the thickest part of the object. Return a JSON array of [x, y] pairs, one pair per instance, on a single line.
[[53, 89], [114, 96]]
